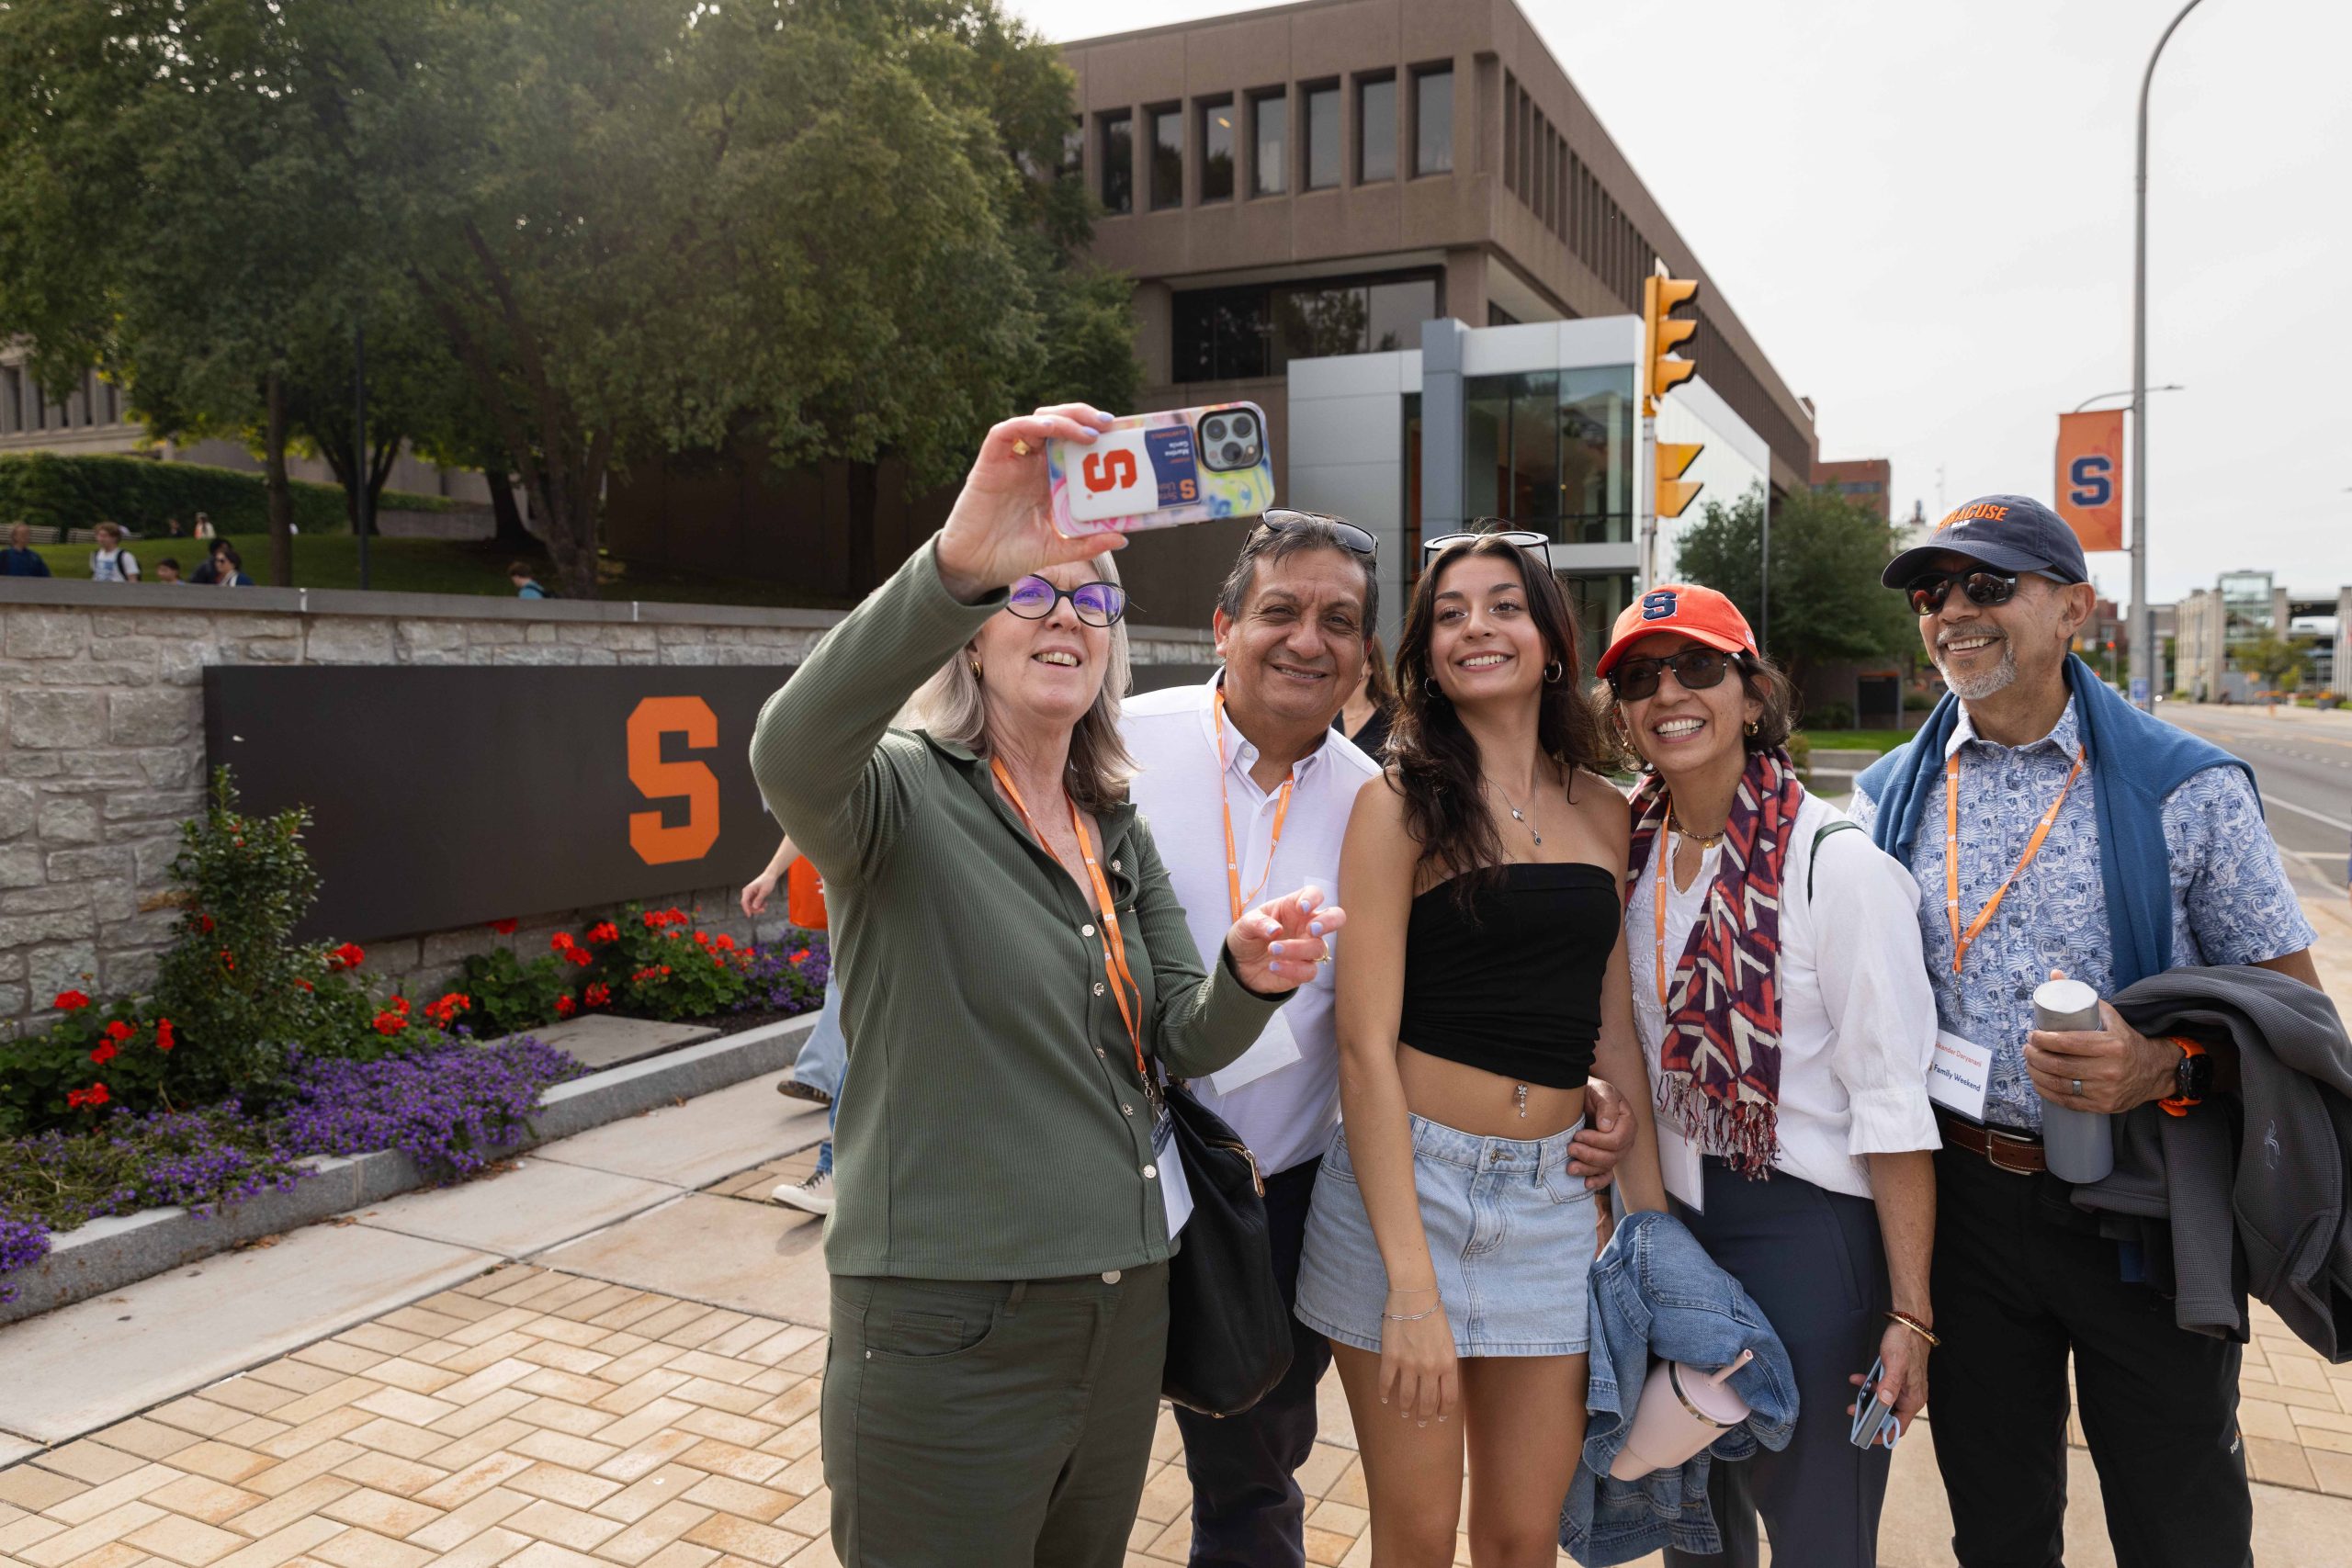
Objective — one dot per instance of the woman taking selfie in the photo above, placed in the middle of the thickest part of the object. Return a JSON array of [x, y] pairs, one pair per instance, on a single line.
[[1787, 1025], [1482, 977], [999, 1241]]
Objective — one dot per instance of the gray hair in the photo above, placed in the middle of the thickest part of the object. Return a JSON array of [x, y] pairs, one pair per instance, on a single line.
[[1305, 531], [953, 706]]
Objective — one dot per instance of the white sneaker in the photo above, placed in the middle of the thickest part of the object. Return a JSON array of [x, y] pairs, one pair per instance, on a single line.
[[814, 1195]]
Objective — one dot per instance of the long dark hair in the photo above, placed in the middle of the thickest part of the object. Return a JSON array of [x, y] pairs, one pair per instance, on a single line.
[[1435, 758]]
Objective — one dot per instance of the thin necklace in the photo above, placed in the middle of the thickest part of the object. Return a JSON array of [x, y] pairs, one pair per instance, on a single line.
[[1517, 818], [1705, 840]]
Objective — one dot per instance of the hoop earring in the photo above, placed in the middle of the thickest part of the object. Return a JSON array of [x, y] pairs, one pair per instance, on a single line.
[[1751, 728], [975, 668], [1552, 671], [1430, 685]]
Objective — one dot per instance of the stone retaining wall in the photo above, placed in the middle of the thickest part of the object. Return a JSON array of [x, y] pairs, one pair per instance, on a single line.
[[102, 742]]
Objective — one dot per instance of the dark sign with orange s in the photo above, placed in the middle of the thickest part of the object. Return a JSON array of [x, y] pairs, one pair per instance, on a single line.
[[443, 797]]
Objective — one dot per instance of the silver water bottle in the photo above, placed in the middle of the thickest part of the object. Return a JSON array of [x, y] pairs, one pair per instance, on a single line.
[[2078, 1144]]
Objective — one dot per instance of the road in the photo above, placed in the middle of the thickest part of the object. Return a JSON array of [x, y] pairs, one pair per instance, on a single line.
[[2302, 761]]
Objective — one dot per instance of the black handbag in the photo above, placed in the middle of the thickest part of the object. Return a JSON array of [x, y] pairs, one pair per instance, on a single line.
[[1228, 1332]]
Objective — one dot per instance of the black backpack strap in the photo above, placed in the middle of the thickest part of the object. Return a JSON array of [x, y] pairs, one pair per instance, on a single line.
[[1813, 864]]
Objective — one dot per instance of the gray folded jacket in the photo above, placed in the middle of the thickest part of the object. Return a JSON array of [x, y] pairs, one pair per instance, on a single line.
[[2244, 1197]]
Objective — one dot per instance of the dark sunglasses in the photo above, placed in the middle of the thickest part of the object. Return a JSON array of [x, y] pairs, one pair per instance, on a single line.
[[1095, 603], [1929, 591], [1695, 669], [1525, 539], [1360, 541]]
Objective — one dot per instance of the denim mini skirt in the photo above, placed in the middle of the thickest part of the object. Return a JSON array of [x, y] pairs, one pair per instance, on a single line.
[[1511, 1234]]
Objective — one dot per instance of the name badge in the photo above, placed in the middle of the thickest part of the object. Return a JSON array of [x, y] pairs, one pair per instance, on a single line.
[[1175, 1192], [1957, 1076], [1276, 1048], [1677, 1161]]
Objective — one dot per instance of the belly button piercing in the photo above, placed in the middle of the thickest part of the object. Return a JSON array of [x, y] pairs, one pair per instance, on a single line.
[[1521, 1096]]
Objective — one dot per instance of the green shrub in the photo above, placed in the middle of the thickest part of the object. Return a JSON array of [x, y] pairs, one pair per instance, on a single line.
[[1829, 716], [47, 489], [510, 993], [653, 964]]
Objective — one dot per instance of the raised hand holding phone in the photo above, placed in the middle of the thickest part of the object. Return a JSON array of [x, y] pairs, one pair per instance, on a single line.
[[1002, 527]]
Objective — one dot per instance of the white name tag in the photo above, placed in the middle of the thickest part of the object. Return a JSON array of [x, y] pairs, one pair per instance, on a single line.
[[1276, 1048], [1175, 1192], [1677, 1161], [1957, 1076]]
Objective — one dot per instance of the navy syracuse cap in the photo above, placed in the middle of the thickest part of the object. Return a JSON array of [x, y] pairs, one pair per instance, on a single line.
[[2008, 532]]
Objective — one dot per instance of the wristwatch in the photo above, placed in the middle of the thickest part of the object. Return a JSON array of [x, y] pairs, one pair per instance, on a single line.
[[2192, 1078]]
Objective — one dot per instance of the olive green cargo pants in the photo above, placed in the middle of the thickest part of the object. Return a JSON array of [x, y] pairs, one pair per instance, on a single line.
[[985, 1425]]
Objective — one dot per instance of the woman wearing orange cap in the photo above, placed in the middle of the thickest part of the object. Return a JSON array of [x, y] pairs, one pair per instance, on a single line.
[[1784, 1011]]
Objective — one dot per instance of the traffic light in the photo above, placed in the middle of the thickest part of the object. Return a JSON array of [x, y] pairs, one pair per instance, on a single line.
[[1662, 333], [1674, 491]]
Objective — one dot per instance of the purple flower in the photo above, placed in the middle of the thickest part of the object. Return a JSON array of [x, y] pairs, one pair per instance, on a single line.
[[454, 1110]]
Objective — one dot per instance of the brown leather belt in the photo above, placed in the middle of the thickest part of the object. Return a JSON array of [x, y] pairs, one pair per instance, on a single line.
[[2019, 1154]]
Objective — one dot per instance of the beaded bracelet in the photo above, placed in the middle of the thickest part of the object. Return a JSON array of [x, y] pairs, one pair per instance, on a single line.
[[1915, 1326]]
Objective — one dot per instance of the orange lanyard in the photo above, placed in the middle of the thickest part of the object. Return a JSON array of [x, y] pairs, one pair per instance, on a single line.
[[1114, 942], [1282, 813], [1959, 943]]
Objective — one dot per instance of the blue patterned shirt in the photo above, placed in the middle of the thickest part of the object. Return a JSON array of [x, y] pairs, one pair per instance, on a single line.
[[2230, 900]]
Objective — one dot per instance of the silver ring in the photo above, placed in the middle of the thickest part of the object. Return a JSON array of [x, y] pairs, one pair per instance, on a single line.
[[2078, 1088]]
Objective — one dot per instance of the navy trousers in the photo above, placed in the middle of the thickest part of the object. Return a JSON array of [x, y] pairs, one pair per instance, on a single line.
[[1248, 1511], [1814, 1261]]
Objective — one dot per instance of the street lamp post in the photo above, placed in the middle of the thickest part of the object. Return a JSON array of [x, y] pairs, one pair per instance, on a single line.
[[2144, 620], [2125, 393]]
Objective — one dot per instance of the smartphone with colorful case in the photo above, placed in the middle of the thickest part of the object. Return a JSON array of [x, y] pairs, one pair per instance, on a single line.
[[1161, 470]]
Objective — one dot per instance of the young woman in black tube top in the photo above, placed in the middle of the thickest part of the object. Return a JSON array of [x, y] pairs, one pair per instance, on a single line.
[[1483, 978]]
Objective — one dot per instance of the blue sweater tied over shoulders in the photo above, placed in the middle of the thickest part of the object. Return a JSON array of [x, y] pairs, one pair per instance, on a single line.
[[2136, 759]]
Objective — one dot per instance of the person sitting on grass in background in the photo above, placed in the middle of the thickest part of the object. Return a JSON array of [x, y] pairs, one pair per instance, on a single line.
[[229, 568], [207, 570], [110, 562], [168, 569], [20, 559], [203, 526], [172, 527], [526, 586], [816, 1074]]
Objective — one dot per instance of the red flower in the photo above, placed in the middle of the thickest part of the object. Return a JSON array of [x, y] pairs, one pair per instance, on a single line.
[[443, 1011], [304, 984], [204, 922], [800, 957], [70, 1002], [560, 942], [390, 1022], [228, 961], [504, 928], [565, 1007], [603, 930], [653, 920], [347, 956], [105, 1053], [164, 1041], [579, 955], [665, 968], [599, 994], [703, 937], [120, 1033], [726, 944], [399, 1005], [92, 1097], [677, 917]]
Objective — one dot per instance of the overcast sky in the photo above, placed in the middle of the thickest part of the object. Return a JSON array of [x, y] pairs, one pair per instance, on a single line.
[[1922, 209]]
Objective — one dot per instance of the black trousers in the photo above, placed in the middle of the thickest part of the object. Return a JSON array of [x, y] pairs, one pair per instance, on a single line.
[[2021, 1279], [1248, 1511], [1816, 1263]]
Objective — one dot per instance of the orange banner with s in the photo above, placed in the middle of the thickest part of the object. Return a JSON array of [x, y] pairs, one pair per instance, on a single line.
[[2090, 477]]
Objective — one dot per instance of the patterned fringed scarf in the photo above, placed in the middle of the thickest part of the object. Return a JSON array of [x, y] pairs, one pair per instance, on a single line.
[[1720, 1063]]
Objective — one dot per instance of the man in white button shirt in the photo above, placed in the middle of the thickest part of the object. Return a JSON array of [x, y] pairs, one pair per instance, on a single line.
[[1247, 787]]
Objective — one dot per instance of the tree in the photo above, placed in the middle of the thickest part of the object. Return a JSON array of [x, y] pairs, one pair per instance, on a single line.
[[1827, 605], [2280, 662]]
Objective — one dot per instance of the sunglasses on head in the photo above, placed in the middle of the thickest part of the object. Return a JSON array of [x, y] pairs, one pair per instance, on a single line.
[[1358, 540], [1695, 669], [1525, 539], [1929, 591], [1095, 603]]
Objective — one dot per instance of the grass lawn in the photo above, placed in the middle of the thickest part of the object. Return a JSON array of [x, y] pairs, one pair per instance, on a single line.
[[441, 566], [1879, 741]]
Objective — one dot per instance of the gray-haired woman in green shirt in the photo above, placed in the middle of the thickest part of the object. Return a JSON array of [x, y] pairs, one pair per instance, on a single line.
[[1011, 955]]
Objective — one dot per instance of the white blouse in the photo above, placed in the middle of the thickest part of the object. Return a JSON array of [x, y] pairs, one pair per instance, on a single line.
[[1858, 1018]]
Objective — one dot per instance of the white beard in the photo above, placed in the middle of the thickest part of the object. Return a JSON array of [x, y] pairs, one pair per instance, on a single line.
[[1976, 688]]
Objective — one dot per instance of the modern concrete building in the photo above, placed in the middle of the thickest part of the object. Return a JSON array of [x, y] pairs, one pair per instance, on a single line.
[[1309, 183]]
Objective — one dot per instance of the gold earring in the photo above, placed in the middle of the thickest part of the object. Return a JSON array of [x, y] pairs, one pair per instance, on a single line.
[[1751, 727], [976, 675]]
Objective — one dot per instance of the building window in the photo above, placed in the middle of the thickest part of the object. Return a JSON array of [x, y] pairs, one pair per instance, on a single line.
[[1270, 144], [1256, 331], [1551, 450], [1498, 317], [1375, 129], [1599, 599], [1118, 163], [1433, 120], [1323, 141], [1167, 156], [12, 401], [1510, 137], [1216, 150], [1410, 512]]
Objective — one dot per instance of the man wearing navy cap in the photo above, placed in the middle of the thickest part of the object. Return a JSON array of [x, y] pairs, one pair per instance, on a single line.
[[2106, 843]]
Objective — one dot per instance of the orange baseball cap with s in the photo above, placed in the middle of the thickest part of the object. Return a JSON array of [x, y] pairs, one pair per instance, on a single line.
[[1700, 613]]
